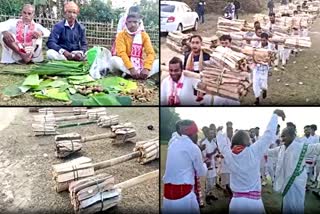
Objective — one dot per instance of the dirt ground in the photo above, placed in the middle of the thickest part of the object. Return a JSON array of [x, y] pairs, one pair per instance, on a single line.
[[26, 184], [271, 200], [305, 68]]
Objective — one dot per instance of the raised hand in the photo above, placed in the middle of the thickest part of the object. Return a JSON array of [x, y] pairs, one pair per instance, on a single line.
[[280, 113]]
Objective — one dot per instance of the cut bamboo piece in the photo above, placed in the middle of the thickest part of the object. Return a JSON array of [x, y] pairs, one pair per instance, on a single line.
[[108, 120], [74, 110]]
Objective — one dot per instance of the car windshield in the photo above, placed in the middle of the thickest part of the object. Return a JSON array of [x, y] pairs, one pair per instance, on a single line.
[[167, 8]]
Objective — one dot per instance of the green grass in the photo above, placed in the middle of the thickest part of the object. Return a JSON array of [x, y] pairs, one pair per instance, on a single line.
[[271, 200]]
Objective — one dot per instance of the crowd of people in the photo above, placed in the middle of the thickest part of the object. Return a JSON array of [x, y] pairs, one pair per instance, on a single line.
[[238, 162], [196, 58], [133, 53]]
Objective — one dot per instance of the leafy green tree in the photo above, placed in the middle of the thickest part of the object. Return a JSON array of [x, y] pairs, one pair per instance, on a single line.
[[168, 122]]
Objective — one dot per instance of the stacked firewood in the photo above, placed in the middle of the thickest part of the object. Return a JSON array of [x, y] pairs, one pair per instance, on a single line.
[[74, 110], [124, 132], [178, 41], [227, 25], [149, 150]]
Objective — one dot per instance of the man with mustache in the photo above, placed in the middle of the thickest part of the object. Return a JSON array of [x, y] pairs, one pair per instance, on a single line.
[[68, 37], [21, 39], [130, 44]]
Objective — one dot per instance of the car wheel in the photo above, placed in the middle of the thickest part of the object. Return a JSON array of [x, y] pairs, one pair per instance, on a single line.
[[196, 25], [180, 28]]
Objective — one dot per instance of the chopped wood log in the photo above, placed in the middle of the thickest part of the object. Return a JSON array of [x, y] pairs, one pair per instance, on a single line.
[[149, 150], [75, 110]]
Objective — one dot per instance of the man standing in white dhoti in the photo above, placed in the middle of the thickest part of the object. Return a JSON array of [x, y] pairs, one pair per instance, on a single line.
[[184, 162], [243, 160], [21, 39], [271, 162], [310, 160], [291, 176], [210, 151]]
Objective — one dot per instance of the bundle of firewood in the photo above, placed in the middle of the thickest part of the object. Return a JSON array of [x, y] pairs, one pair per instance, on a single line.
[[262, 18], [74, 110], [83, 167], [99, 193], [259, 55], [225, 83], [149, 150], [301, 42], [227, 25], [70, 143], [108, 120], [178, 41], [91, 114], [226, 58]]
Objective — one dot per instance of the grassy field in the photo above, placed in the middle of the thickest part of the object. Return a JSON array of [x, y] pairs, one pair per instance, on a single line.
[[271, 200]]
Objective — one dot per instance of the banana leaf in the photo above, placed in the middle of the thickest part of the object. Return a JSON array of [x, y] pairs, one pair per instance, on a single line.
[[102, 99], [52, 93], [32, 80], [78, 80], [12, 91], [118, 83], [77, 99], [43, 84]]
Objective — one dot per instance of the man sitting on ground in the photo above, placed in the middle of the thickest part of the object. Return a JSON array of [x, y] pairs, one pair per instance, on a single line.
[[68, 37], [21, 39], [130, 44]]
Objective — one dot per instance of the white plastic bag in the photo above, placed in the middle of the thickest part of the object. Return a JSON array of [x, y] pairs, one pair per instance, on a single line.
[[101, 64]]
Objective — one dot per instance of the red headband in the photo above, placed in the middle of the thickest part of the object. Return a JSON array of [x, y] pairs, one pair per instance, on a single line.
[[189, 130]]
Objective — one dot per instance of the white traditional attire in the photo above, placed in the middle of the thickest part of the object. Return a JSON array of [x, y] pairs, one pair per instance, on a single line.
[[211, 148], [224, 170], [182, 92], [184, 159], [260, 74], [271, 161], [310, 160], [287, 161], [245, 180], [24, 32]]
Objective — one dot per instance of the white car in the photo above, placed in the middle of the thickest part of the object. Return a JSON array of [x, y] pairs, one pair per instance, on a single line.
[[177, 16]]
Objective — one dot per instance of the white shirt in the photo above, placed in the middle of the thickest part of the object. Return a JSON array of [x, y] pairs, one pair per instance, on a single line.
[[210, 147], [174, 137], [11, 24], [186, 92], [287, 159], [244, 167], [183, 160]]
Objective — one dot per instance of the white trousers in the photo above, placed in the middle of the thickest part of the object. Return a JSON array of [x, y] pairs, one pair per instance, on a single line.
[[210, 183], [293, 201], [260, 81], [118, 65], [54, 55], [8, 56], [246, 206], [187, 204], [271, 166]]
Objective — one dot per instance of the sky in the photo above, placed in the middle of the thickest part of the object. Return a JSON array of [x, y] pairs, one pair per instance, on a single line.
[[250, 117]]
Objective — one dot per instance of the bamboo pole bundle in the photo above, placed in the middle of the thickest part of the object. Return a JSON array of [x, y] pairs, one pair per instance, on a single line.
[[108, 120], [99, 193], [149, 150], [74, 110], [65, 173]]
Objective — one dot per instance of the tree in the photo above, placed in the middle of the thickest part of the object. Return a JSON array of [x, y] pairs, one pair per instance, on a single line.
[[168, 122], [150, 11]]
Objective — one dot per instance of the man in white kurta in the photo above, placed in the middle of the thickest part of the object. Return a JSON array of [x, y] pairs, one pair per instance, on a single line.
[[184, 161], [178, 89], [243, 162], [271, 161], [21, 39], [209, 153], [291, 158]]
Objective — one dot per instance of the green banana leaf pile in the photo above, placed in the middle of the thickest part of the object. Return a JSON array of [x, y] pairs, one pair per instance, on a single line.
[[61, 80]]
